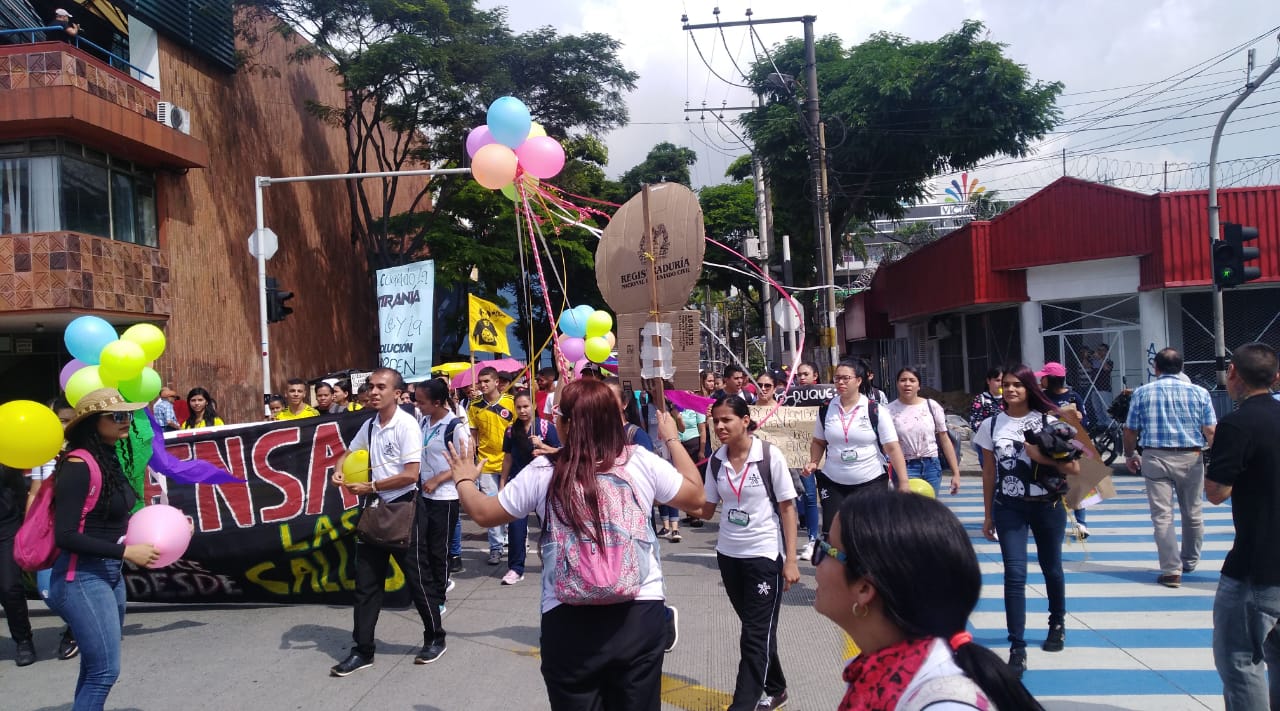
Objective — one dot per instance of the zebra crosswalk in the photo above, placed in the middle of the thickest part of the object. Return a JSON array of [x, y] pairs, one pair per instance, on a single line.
[[1131, 643]]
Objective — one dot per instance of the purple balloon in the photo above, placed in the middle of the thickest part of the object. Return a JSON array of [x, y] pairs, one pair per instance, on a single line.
[[573, 348], [478, 138], [68, 370]]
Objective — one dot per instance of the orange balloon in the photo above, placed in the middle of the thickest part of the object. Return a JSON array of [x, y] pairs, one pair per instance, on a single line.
[[494, 166]]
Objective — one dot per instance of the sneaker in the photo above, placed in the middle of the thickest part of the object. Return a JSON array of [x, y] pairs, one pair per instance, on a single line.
[[67, 647], [448, 587], [673, 628], [806, 553], [443, 609], [26, 654], [664, 532], [352, 664], [455, 564], [1056, 639], [1172, 580], [1018, 661], [697, 523], [675, 537], [1188, 567], [430, 653], [768, 703], [511, 578], [495, 557]]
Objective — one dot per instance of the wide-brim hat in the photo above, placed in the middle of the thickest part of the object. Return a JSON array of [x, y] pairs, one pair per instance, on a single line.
[[99, 401]]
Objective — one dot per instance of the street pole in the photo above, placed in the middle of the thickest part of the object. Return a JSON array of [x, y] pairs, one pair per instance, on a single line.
[[259, 183], [789, 334], [1219, 325], [821, 215], [767, 296]]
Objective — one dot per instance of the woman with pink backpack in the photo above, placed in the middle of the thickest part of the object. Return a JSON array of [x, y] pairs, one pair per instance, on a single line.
[[603, 612]]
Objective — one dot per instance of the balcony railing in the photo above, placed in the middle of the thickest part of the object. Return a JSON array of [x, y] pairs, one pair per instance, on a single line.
[[79, 42]]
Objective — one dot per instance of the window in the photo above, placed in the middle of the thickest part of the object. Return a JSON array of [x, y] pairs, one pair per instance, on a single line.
[[50, 185]]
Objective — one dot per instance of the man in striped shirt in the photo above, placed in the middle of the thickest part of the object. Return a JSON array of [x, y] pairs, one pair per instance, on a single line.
[[1173, 422]]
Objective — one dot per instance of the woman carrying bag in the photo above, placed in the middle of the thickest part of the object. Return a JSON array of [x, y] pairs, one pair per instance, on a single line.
[[922, 433]]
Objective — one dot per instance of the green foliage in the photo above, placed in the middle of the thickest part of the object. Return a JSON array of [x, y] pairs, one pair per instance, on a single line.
[[897, 113], [665, 163]]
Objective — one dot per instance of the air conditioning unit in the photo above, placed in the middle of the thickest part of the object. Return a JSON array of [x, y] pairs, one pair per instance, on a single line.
[[173, 116]]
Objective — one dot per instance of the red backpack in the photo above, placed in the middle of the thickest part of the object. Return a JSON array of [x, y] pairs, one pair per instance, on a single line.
[[34, 547]]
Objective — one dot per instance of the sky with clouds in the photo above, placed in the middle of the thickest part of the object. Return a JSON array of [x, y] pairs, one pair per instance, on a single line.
[[1133, 61]]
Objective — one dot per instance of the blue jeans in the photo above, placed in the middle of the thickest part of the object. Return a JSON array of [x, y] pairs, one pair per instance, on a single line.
[[455, 541], [518, 531], [812, 514], [927, 468], [1246, 643], [1048, 523], [668, 514], [497, 534], [93, 604]]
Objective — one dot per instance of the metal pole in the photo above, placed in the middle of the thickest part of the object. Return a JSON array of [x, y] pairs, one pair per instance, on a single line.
[[767, 296], [789, 334], [828, 258], [258, 184], [1219, 326], [817, 165]]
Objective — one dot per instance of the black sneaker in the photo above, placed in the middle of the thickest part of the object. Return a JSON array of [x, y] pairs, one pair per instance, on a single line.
[[352, 664], [697, 523], [67, 648], [673, 628], [430, 653], [455, 564], [769, 703], [26, 654], [1056, 640], [1018, 661]]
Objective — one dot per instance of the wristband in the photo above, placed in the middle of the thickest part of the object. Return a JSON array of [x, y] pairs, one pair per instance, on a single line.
[[463, 481], [374, 484], [671, 439]]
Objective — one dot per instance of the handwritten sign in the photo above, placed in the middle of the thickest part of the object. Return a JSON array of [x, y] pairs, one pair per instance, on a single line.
[[405, 296], [790, 430]]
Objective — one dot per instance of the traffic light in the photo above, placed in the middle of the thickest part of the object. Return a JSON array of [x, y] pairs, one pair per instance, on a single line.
[[1230, 256], [276, 298]]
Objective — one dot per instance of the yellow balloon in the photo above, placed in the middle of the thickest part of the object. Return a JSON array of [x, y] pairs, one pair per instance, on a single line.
[[921, 487], [355, 468], [148, 336], [82, 382], [30, 434], [535, 130]]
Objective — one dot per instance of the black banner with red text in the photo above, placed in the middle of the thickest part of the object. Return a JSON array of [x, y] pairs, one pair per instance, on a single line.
[[285, 535]]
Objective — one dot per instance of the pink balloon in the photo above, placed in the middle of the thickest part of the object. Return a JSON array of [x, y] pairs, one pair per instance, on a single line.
[[67, 371], [162, 526], [541, 156], [573, 348], [580, 366], [478, 137], [494, 166]]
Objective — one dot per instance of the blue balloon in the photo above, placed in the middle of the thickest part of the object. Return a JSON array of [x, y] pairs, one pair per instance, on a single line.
[[509, 121], [583, 313], [87, 336], [572, 324]]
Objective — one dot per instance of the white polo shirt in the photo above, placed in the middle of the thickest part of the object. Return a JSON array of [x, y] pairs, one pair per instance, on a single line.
[[743, 492], [390, 448], [433, 450], [852, 454]]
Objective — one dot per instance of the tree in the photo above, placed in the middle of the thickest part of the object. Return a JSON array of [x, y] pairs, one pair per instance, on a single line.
[[665, 163], [897, 113]]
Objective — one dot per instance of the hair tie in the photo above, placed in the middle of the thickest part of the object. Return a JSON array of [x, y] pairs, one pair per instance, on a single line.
[[960, 639]]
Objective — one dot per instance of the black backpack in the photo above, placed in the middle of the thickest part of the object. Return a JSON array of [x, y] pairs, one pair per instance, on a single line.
[[764, 468], [873, 414]]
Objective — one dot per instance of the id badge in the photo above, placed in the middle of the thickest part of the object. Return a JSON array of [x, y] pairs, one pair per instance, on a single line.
[[849, 456], [738, 517]]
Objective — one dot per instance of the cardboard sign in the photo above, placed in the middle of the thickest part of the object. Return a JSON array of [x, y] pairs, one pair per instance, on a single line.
[[808, 395], [790, 429], [1093, 484], [677, 244], [686, 344], [405, 313]]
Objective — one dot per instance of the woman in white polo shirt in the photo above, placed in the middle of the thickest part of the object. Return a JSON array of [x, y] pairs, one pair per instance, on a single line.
[[756, 547], [844, 436]]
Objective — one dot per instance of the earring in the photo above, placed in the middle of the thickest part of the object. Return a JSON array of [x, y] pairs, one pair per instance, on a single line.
[[866, 610]]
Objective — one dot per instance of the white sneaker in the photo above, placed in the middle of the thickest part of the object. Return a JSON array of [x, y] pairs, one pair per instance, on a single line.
[[449, 586], [511, 578], [806, 553], [443, 610]]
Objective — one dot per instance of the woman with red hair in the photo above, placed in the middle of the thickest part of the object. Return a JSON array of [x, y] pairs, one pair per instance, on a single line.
[[603, 612]]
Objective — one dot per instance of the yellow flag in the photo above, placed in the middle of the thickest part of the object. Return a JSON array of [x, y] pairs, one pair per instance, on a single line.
[[488, 326]]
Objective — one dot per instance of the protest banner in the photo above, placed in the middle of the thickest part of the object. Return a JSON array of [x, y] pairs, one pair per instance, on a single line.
[[790, 427], [285, 535], [405, 314]]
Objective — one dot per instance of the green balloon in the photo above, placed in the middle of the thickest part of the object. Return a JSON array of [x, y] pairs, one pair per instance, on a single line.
[[509, 190], [144, 388]]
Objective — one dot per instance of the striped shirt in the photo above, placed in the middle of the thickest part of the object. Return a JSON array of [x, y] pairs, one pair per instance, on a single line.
[[1170, 414]]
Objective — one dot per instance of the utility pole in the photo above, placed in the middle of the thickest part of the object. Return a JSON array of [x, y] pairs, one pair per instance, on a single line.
[[767, 297], [1215, 233]]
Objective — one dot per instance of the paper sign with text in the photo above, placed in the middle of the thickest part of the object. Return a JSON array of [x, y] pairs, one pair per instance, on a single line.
[[405, 314]]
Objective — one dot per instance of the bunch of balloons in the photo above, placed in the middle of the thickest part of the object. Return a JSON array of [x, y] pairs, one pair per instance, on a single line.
[[586, 333], [101, 360], [511, 146]]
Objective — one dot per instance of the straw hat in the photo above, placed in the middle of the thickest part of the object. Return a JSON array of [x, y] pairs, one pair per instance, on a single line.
[[99, 401]]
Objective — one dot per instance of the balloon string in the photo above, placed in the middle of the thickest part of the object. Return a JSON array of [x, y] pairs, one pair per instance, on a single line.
[[542, 277], [795, 308], [580, 197]]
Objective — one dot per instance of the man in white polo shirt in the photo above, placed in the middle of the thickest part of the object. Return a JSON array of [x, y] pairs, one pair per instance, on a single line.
[[394, 443]]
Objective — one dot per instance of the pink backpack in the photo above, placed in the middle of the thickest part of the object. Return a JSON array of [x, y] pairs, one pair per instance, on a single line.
[[34, 548], [587, 572]]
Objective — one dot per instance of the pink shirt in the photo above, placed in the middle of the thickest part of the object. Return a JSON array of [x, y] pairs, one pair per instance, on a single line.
[[918, 427]]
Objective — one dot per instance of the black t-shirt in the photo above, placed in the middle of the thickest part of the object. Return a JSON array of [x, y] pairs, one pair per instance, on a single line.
[[106, 522], [1246, 457]]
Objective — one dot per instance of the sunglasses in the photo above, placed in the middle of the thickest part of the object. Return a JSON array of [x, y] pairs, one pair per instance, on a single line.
[[824, 549], [121, 418], [765, 385]]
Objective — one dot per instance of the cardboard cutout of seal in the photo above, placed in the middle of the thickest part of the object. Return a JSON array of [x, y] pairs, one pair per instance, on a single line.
[[678, 243]]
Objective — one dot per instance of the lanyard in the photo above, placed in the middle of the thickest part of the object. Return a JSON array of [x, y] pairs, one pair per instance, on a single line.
[[432, 435], [742, 480], [845, 424]]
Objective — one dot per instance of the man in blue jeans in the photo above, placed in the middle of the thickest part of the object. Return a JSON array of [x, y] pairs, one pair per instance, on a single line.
[[1244, 465]]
